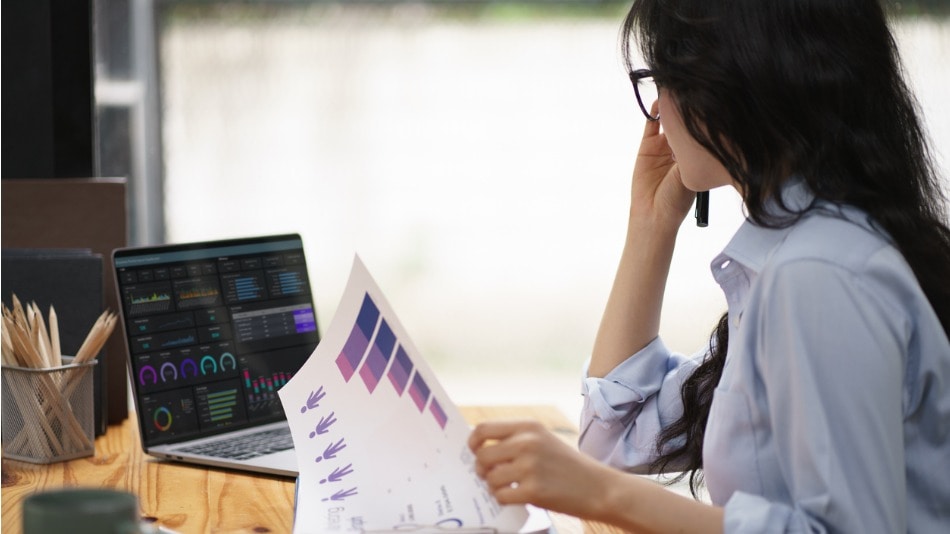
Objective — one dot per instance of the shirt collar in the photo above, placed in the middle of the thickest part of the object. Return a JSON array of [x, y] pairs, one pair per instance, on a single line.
[[752, 244]]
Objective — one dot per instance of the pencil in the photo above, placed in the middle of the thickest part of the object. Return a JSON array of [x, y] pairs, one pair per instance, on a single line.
[[42, 336], [8, 357], [54, 336], [96, 338], [27, 342]]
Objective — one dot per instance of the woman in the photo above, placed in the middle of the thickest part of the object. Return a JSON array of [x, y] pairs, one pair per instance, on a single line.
[[823, 403]]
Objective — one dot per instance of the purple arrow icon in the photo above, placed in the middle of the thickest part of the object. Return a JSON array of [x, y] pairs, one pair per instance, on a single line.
[[324, 425], [340, 495], [313, 399], [338, 474], [330, 452]]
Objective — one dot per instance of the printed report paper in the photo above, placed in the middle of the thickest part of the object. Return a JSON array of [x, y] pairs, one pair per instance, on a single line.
[[380, 446]]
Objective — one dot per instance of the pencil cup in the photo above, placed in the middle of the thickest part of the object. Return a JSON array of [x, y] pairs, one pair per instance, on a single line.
[[48, 414]]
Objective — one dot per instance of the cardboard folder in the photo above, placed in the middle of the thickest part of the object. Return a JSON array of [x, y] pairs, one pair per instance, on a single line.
[[75, 213]]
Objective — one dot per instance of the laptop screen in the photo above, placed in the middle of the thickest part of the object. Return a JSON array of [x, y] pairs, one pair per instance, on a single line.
[[214, 330]]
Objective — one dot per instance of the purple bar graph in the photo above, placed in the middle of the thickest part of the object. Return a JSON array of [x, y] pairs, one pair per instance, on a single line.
[[375, 365], [349, 359], [368, 317], [379, 350], [352, 353], [419, 392], [438, 413], [401, 370]]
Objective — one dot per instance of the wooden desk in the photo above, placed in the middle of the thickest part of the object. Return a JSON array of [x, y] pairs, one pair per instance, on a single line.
[[198, 500]]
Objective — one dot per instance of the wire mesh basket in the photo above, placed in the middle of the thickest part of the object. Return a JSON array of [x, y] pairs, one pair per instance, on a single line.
[[48, 414]]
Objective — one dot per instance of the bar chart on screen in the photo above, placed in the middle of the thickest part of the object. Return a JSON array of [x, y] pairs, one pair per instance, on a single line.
[[262, 390]]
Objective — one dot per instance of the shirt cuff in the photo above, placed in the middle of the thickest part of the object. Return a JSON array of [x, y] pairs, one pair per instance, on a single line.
[[632, 382], [745, 512]]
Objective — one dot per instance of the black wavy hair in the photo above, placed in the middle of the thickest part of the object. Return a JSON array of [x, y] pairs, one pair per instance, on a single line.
[[813, 88]]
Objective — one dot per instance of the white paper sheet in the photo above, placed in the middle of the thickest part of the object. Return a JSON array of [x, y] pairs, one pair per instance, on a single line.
[[380, 446]]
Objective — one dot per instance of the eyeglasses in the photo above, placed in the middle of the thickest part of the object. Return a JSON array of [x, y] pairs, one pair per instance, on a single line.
[[645, 87]]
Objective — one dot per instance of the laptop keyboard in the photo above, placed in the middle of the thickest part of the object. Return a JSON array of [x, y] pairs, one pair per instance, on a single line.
[[246, 447]]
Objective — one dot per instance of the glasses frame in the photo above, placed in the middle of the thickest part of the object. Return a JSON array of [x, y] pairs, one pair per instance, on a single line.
[[635, 77]]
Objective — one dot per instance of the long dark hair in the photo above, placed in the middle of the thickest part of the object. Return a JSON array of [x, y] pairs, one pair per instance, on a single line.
[[806, 87]]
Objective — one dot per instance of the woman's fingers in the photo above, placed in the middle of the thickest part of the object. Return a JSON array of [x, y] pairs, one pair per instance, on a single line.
[[521, 462], [652, 127], [503, 441], [505, 453], [504, 475]]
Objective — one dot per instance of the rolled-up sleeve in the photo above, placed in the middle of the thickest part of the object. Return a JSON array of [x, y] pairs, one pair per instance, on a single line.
[[624, 411]]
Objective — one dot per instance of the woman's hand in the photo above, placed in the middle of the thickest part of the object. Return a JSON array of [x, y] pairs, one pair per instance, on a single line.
[[658, 195], [523, 463]]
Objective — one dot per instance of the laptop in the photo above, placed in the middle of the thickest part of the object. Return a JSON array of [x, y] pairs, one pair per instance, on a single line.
[[213, 330]]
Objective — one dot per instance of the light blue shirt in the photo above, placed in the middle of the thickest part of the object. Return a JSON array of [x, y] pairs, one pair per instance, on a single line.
[[833, 410]]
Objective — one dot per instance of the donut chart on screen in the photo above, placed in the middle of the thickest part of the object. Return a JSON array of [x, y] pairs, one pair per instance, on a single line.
[[162, 419], [161, 373]]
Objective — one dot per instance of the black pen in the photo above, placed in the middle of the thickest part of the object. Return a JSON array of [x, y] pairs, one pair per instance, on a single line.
[[702, 209]]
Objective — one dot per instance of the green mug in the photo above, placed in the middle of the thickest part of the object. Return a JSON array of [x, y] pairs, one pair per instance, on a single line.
[[81, 511]]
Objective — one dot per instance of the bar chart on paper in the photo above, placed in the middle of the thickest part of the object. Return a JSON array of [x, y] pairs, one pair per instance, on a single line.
[[379, 443], [372, 352]]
